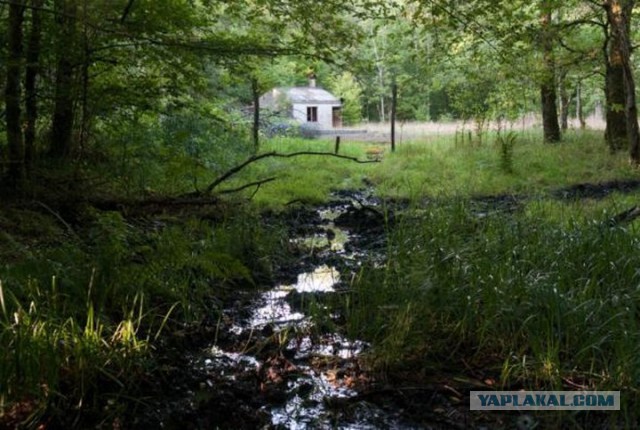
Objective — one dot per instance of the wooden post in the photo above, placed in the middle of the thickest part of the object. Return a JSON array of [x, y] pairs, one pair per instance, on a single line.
[[337, 145], [394, 100]]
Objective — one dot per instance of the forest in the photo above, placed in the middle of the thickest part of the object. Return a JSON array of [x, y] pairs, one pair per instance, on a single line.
[[177, 250]]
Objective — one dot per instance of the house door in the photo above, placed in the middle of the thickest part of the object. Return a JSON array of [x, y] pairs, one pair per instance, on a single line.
[[337, 117]]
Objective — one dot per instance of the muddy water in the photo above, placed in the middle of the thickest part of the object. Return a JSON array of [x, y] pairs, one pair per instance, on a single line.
[[306, 377]]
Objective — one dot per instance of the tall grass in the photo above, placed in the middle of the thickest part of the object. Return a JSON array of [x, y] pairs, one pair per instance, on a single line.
[[444, 168], [79, 321], [434, 167], [531, 302]]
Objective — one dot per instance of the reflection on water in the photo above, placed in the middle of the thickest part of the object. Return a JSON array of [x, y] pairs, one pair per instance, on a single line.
[[320, 280], [272, 307]]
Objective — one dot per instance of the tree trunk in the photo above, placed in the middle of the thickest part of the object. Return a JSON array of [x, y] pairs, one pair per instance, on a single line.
[[619, 18], [63, 114], [394, 102], [616, 120], [16, 173], [31, 74], [255, 92], [550, 125], [565, 103], [580, 106]]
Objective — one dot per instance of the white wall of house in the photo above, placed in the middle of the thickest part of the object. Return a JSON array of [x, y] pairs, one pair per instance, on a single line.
[[300, 112], [325, 114]]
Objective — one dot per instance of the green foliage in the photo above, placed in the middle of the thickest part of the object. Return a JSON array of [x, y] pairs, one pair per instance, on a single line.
[[346, 88], [78, 321], [439, 167], [506, 142], [531, 301]]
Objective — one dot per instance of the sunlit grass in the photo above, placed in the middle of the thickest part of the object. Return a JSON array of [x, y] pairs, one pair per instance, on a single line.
[[438, 166], [79, 321], [444, 168]]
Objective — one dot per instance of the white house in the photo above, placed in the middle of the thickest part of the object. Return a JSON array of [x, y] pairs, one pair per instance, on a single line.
[[310, 105]]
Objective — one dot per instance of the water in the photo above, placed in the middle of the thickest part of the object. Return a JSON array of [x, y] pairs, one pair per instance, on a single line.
[[317, 373]]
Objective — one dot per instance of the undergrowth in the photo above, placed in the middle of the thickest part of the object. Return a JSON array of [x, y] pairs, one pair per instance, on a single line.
[[82, 311], [525, 300]]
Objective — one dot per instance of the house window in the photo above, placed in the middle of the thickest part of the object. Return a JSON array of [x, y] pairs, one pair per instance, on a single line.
[[312, 114]]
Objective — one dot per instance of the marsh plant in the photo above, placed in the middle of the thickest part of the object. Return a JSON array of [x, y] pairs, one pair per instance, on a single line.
[[505, 143], [531, 302]]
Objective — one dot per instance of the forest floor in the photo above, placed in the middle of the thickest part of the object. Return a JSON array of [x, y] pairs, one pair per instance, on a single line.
[[269, 318]]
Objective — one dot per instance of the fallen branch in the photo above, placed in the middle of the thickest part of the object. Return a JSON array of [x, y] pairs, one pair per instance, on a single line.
[[245, 186], [220, 179], [625, 217]]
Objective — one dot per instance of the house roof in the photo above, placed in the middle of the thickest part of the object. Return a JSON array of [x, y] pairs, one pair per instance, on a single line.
[[302, 95], [310, 95]]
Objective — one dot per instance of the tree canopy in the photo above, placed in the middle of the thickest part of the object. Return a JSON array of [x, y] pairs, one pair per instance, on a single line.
[[79, 74]]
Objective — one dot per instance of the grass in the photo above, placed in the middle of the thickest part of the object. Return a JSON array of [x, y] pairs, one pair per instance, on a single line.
[[543, 298], [535, 298], [431, 168], [526, 301], [80, 316], [442, 168]]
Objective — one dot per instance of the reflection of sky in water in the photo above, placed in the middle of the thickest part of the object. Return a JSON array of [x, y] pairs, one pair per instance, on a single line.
[[308, 392], [329, 345], [320, 280], [273, 307]]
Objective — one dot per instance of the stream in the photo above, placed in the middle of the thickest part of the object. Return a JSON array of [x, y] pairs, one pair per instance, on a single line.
[[307, 375]]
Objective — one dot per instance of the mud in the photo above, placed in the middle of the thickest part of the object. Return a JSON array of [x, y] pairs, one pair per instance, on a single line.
[[268, 362], [596, 190]]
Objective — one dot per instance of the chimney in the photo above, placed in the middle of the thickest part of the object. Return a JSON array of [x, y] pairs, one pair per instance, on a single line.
[[312, 80]]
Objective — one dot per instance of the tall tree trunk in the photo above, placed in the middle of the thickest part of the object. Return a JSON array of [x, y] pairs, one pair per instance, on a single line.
[[548, 97], [31, 74], [16, 173], [619, 18], [616, 120], [255, 93], [394, 103], [63, 114]]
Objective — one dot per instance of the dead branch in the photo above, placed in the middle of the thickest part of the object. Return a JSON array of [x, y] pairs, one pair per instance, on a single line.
[[625, 217], [245, 186], [229, 173]]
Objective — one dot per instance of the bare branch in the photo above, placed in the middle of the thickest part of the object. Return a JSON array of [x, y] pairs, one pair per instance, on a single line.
[[126, 11], [245, 186], [274, 154]]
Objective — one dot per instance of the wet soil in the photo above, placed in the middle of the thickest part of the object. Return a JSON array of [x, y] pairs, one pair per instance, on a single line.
[[596, 190]]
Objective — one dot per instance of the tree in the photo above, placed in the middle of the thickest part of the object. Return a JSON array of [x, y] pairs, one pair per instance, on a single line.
[[348, 90], [31, 75], [548, 96], [16, 173], [616, 129], [619, 19]]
